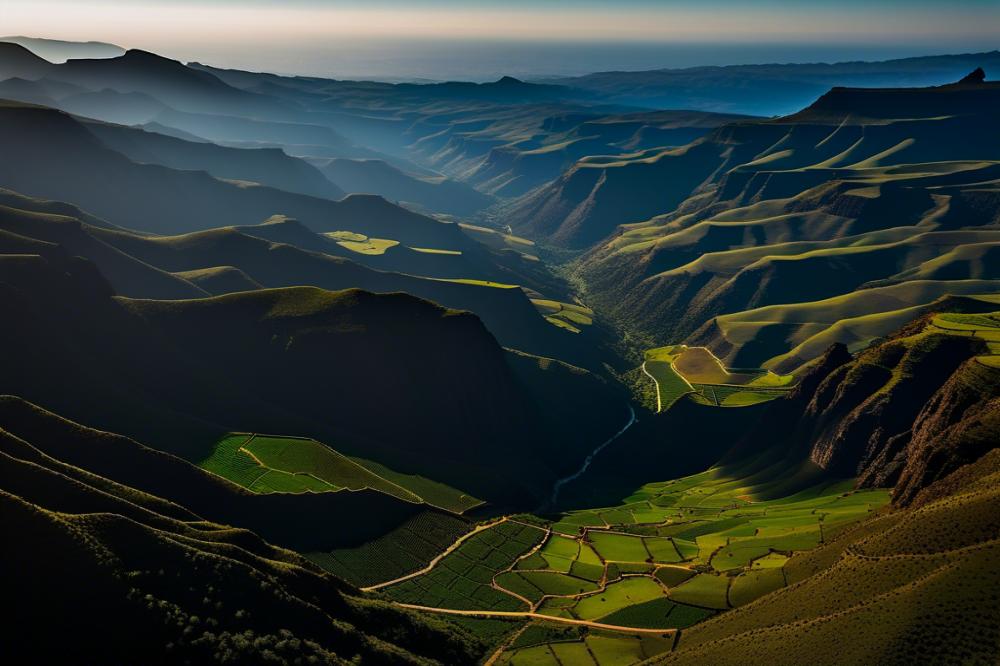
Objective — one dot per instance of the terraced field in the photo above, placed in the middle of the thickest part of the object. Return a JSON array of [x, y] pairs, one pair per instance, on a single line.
[[679, 370], [674, 554], [362, 244], [564, 315], [670, 385], [267, 464], [406, 549], [464, 578], [986, 327], [270, 464]]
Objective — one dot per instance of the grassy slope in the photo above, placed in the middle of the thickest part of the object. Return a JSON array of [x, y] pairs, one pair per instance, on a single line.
[[295, 337], [910, 584], [281, 253], [88, 545], [803, 209]]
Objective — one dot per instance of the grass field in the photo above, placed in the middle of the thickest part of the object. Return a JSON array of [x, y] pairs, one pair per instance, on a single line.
[[670, 386], [267, 464], [499, 240], [594, 647], [431, 250], [362, 244], [408, 548], [679, 370], [565, 315]]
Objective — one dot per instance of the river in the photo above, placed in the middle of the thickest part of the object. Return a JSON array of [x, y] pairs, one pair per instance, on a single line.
[[590, 458]]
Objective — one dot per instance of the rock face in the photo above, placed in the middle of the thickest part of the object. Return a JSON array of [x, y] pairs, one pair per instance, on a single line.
[[905, 413], [959, 425], [864, 411]]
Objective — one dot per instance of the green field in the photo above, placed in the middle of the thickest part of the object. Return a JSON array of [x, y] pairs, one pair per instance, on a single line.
[[400, 552], [565, 315], [673, 555], [464, 578], [670, 386], [985, 327], [267, 464], [595, 647], [679, 371], [677, 552], [431, 250], [362, 244]]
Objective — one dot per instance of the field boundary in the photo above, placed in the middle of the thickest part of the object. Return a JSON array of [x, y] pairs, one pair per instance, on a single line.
[[540, 616], [430, 565]]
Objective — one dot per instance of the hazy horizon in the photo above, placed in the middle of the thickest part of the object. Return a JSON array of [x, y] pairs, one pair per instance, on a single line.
[[440, 39]]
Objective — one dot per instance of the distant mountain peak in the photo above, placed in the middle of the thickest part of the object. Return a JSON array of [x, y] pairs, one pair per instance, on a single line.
[[975, 76], [509, 81], [140, 55]]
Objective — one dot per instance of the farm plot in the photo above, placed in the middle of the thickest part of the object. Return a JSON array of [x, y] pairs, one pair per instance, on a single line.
[[602, 648], [565, 315], [408, 548], [360, 243], [679, 370], [677, 552], [986, 327], [463, 579], [267, 464], [670, 386], [616, 596]]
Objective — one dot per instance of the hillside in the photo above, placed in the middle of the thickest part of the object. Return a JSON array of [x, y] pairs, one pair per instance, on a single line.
[[88, 543], [598, 371], [58, 50], [265, 166], [897, 584], [296, 337], [878, 214], [54, 156], [439, 195], [283, 253]]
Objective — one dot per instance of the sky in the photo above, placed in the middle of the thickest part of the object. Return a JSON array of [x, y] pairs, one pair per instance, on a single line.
[[481, 39]]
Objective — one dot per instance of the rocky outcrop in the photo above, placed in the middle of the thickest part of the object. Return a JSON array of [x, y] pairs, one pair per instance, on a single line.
[[906, 412], [957, 426], [865, 411]]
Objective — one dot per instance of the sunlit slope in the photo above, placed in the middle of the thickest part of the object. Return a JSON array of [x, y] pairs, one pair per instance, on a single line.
[[94, 537], [815, 208], [910, 584], [176, 374], [284, 252]]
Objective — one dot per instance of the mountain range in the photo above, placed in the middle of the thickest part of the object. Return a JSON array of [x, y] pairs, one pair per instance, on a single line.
[[618, 369]]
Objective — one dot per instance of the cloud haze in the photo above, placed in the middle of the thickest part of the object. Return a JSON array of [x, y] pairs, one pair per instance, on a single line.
[[229, 33]]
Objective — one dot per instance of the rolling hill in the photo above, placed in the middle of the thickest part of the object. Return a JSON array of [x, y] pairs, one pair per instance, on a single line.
[[115, 551], [173, 361], [283, 253], [838, 202], [301, 370], [439, 195]]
